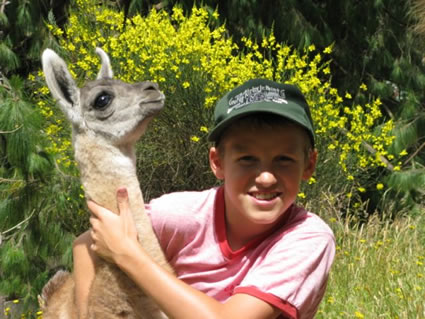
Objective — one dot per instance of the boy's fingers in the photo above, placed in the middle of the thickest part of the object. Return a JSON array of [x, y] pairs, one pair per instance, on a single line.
[[94, 208]]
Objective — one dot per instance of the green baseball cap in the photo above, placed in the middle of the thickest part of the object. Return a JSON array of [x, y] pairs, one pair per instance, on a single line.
[[262, 96]]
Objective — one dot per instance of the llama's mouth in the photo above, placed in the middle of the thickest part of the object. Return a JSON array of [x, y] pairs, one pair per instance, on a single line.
[[158, 98], [159, 101]]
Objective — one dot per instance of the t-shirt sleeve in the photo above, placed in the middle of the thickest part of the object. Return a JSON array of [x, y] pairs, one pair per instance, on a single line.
[[292, 273]]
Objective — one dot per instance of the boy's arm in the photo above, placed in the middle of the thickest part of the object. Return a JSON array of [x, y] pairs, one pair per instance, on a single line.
[[179, 300], [84, 271], [114, 237]]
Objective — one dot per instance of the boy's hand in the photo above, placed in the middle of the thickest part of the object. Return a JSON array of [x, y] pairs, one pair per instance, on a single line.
[[112, 233]]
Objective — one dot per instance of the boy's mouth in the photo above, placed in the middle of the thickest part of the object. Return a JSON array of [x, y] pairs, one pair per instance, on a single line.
[[265, 196]]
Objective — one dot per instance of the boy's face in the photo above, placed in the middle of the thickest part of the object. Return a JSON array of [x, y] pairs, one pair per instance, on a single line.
[[262, 170]]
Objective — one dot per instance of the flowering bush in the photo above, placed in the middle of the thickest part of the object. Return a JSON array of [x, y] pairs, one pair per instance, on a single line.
[[196, 62]]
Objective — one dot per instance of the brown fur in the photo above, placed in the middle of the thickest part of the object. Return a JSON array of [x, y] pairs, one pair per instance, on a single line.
[[103, 141]]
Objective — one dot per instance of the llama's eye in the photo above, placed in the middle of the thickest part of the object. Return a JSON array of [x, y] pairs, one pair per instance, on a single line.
[[102, 101]]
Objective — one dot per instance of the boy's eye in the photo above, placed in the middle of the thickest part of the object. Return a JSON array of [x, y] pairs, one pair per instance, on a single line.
[[284, 159], [246, 159]]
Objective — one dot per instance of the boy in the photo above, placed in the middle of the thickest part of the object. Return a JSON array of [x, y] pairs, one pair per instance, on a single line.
[[242, 250]]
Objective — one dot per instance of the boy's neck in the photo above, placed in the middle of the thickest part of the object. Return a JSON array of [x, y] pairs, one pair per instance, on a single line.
[[239, 234], [238, 237]]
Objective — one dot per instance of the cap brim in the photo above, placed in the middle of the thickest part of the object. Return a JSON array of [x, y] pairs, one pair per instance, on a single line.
[[291, 111]]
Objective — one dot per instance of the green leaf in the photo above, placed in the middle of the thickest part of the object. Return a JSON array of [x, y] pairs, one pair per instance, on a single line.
[[9, 61]]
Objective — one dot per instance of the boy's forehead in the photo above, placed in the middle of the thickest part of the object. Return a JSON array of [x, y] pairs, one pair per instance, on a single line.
[[289, 137], [268, 125]]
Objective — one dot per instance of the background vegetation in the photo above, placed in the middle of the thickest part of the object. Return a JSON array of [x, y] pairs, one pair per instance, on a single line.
[[363, 78]]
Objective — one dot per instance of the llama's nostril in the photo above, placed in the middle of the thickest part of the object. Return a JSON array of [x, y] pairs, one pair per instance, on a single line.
[[150, 86]]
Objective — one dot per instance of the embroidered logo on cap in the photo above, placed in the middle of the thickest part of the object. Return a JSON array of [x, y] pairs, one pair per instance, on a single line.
[[261, 93]]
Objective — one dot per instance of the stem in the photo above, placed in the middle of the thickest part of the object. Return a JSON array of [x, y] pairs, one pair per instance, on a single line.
[[10, 180]]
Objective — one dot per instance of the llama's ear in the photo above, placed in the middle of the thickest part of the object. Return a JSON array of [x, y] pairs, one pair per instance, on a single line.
[[61, 84], [105, 69]]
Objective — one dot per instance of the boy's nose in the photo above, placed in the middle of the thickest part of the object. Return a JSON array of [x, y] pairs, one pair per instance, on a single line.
[[266, 179]]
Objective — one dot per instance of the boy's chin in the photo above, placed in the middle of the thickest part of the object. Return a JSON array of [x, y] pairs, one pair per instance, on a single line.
[[265, 218]]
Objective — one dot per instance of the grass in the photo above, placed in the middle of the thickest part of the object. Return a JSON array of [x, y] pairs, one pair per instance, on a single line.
[[379, 270]]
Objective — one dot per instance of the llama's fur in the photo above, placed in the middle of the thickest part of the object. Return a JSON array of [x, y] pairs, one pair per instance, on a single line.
[[107, 116]]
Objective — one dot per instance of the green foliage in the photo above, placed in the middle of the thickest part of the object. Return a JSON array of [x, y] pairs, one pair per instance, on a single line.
[[23, 33], [35, 235]]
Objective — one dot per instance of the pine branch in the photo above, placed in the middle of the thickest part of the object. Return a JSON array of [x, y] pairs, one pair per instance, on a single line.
[[8, 132], [16, 226], [414, 154]]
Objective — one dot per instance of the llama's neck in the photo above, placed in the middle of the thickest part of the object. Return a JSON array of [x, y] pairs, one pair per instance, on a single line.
[[103, 169]]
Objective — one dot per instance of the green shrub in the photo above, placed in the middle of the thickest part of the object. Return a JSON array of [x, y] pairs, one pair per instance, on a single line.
[[195, 62]]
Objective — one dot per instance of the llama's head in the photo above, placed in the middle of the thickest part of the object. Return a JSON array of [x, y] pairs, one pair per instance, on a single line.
[[106, 108]]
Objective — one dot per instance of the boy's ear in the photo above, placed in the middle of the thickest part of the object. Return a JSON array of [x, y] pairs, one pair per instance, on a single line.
[[216, 163], [310, 165]]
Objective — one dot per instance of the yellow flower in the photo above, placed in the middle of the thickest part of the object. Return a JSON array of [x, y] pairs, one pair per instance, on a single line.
[[215, 15], [403, 153], [379, 186], [204, 129], [328, 49], [186, 84], [301, 195], [358, 314], [194, 138]]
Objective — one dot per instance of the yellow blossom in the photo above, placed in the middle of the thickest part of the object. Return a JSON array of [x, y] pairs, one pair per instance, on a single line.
[[186, 84], [328, 50]]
